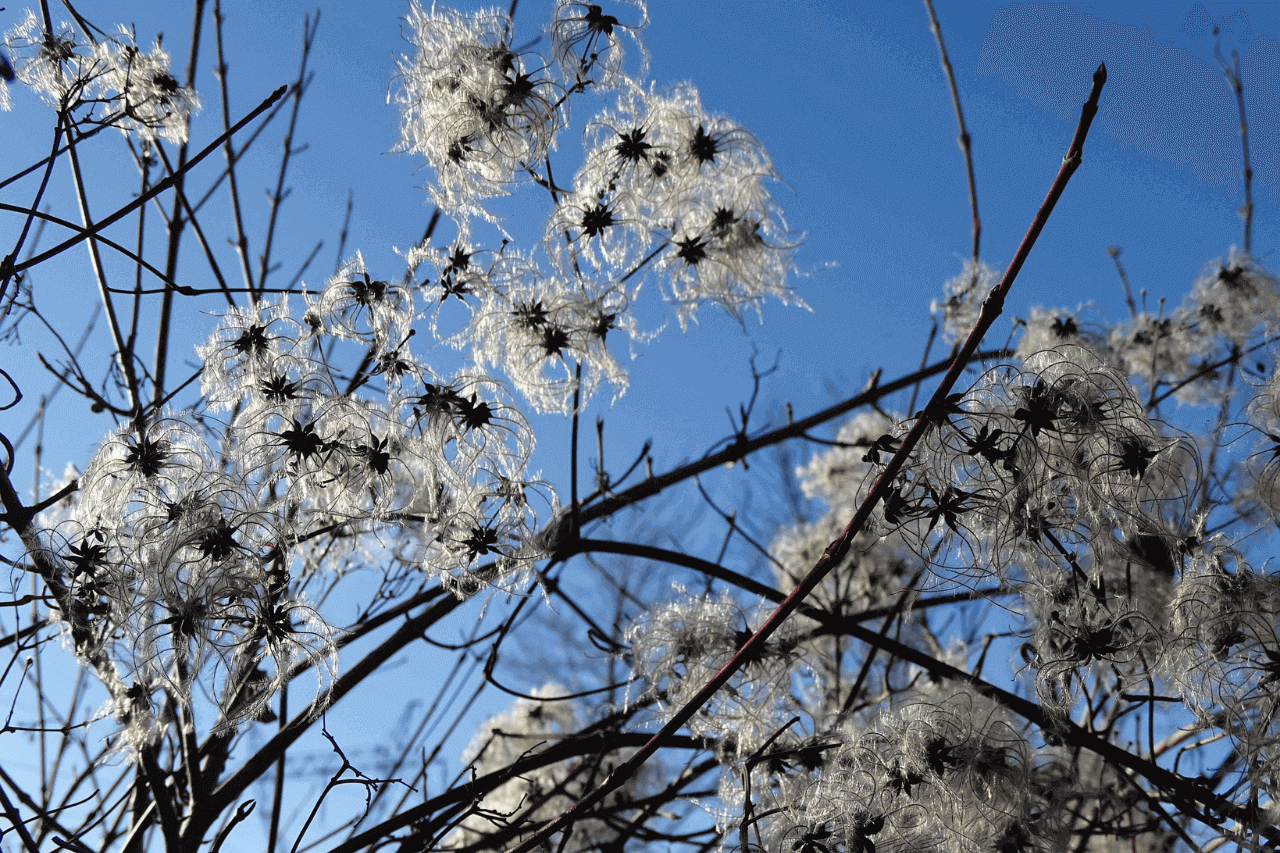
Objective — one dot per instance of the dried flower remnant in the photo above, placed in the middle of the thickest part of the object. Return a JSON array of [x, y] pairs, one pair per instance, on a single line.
[[107, 81], [590, 44], [479, 112]]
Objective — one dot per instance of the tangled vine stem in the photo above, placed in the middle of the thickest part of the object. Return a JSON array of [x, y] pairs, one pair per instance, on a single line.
[[992, 307]]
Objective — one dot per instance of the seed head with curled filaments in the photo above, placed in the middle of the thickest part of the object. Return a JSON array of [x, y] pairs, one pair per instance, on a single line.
[[464, 276], [52, 63], [189, 590], [93, 559], [732, 250], [475, 109], [1157, 349], [286, 634], [488, 521], [108, 82], [178, 548], [358, 307], [597, 233], [958, 753], [1233, 298], [1045, 329], [321, 464], [847, 807], [1263, 423], [628, 163], [248, 349], [676, 648], [1225, 652], [472, 420], [162, 456], [964, 295], [829, 474], [1036, 461], [656, 153], [940, 770], [551, 339], [148, 101], [588, 42], [1070, 641]]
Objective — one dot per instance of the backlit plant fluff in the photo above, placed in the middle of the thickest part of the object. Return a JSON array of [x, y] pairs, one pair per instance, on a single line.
[[106, 81], [338, 498], [189, 547]]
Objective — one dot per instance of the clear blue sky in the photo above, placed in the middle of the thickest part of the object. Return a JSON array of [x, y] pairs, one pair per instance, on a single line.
[[849, 100]]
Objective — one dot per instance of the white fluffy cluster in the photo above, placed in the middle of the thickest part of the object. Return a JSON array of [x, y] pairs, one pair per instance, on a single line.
[[105, 82], [676, 649], [545, 789], [1049, 481], [669, 197], [665, 182], [191, 540], [1182, 351], [964, 295]]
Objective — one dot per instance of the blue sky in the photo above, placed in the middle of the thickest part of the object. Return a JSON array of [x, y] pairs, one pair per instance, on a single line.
[[849, 100]]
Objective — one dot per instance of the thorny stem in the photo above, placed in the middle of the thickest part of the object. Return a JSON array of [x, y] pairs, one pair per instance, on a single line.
[[835, 552]]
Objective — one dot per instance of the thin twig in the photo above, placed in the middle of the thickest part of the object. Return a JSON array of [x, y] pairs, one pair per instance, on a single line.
[[241, 241], [655, 483], [1114, 252], [164, 316], [1236, 82], [124, 355], [963, 139], [309, 26]]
